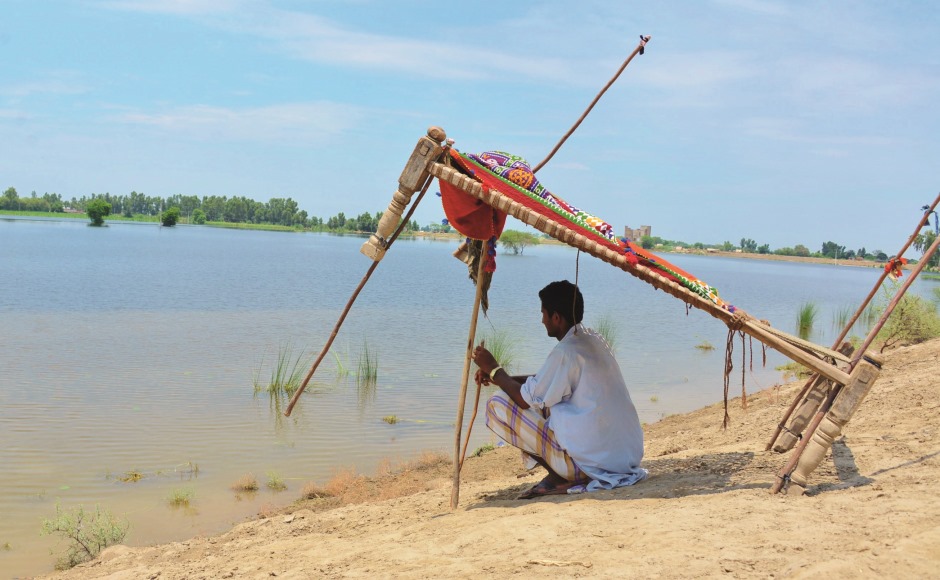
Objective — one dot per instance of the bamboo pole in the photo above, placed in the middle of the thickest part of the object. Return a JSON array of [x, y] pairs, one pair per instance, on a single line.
[[471, 337], [845, 331]]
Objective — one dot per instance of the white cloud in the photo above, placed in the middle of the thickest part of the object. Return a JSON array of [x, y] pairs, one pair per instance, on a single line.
[[298, 122], [313, 38]]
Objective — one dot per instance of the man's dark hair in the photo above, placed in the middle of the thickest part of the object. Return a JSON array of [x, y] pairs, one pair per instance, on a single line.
[[560, 297]]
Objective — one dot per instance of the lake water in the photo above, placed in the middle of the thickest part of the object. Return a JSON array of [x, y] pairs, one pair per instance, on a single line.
[[134, 348]]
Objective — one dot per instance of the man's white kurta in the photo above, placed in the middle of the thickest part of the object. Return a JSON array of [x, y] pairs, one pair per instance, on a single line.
[[591, 412]]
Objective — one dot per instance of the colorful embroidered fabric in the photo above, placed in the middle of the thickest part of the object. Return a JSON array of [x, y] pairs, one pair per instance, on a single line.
[[511, 175]]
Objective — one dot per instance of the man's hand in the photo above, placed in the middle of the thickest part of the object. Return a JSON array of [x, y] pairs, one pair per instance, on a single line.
[[485, 361]]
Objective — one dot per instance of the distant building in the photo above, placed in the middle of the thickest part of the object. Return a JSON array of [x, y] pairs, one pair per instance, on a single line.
[[637, 234]]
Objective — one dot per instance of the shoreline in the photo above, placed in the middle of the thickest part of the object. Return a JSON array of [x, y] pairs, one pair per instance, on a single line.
[[704, 511], [440, 236]]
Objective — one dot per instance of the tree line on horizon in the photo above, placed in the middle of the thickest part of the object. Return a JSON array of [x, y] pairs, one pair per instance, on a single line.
[[286, 212], [829, 249], [196, 210]]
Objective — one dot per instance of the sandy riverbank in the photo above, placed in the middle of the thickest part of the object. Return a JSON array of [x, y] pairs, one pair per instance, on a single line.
[[872, 509]]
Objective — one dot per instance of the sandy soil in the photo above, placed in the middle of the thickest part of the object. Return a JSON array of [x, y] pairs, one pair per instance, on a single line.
[[872, 509]]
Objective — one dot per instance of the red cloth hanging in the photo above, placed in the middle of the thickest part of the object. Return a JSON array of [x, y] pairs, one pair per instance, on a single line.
[[470, 216]]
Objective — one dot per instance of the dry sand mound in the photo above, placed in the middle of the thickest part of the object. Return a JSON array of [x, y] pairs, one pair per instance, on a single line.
[[872, 509]]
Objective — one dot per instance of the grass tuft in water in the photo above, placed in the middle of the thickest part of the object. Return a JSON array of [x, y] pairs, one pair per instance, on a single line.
[[247, 482], [181, 497], [842, 316], [503, 348], [189, 469], [342, 363], [609, 329], [132, 476], [705, 346], [391, 419], [805, 319], [287, 372], [275, 481], [368, 364]]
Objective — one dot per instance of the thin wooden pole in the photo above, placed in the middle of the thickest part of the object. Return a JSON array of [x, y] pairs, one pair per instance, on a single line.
[[848, 327], [352, 299], [471, 337], [638, 50], [473, 417]]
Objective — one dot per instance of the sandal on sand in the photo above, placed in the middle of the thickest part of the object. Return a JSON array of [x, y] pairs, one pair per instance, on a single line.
[[546, 487]]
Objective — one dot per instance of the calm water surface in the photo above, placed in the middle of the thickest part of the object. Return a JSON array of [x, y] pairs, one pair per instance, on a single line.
[[134, 348]]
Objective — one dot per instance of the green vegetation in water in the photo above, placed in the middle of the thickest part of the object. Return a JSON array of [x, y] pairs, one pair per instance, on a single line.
[[391, 419], [287, 372], [6, 546], [503, 348], [189, 468], [181, 497], [805, 319], [342, 363], [97, 209], [936, 294], [930, 276], [275, 481], [516, 242], [705, 346], [870, 315], [841, 317], [247, 482], [132, 476], [606, 327], [87, 533], [793, 371], [485, 448], [368, 365], [170, 217], [654, 399]]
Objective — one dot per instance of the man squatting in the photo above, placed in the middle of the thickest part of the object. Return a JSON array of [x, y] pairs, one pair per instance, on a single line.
[[574, 417]]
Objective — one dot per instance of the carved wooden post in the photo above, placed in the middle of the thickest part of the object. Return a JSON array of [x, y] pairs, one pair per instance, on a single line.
[[844, 406], [804, 414], [413, 178]]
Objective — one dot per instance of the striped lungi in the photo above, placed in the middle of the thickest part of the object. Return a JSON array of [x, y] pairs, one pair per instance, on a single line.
[[527, 430]]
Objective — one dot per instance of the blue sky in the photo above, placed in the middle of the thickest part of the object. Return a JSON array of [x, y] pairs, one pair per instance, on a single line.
[[784, 122]]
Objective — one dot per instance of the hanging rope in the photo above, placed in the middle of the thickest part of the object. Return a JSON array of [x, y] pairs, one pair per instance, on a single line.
[[735, 326]]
